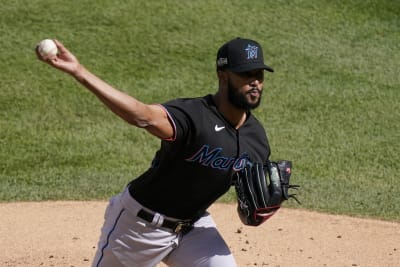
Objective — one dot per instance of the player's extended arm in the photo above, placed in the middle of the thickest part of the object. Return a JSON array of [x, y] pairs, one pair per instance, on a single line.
[[150, 117]]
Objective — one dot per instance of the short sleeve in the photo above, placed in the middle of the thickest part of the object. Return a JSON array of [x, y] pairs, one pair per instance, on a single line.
[[180, 120]]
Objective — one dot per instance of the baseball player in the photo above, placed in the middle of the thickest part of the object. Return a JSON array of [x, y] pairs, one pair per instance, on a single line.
[[162, 214]]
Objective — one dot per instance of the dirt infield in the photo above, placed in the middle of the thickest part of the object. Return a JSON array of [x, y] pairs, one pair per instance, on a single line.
[[65, 234]]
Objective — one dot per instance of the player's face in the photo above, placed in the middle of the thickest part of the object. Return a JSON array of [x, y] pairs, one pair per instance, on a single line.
[[245, 89]]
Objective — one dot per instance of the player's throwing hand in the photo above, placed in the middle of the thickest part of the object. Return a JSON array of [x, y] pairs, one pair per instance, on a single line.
[[64, 60]]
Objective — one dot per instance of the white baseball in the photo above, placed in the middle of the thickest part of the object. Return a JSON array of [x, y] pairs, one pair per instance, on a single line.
[[47, 47]]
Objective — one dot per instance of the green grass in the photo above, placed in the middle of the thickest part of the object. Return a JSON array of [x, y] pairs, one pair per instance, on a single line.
[[332, 105]]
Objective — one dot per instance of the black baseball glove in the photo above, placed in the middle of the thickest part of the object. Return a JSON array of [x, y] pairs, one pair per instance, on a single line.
[[259, 197]]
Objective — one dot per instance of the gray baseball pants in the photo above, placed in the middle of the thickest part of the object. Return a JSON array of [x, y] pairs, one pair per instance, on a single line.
[[129, 241]]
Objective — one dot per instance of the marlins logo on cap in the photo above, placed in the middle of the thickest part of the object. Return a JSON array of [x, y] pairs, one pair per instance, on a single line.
[[251, 51]]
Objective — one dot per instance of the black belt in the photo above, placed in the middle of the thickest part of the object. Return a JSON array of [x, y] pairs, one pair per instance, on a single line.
[[176, 226]]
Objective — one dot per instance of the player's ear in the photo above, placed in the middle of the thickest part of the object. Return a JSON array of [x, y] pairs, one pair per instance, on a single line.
[[222, 76], [222, 79]]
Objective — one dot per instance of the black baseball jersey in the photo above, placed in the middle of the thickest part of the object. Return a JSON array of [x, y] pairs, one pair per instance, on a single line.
[[195, 167]]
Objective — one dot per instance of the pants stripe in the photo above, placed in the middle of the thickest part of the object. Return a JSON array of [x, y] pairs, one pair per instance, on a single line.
[[108, 237]]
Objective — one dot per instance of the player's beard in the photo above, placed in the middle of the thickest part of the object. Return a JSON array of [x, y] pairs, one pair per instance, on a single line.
[[240, 100]]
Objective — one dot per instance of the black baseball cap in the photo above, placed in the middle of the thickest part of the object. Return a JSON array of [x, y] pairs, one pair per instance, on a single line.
[[241, 55]]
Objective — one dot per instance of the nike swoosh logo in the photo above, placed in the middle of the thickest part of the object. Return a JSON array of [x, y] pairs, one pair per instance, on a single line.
[[218, 128]]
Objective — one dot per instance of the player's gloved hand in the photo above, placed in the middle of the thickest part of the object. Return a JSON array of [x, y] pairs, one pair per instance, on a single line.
[[259, 198]]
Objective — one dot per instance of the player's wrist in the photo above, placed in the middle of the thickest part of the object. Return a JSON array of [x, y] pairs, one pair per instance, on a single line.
[[79, 73]]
